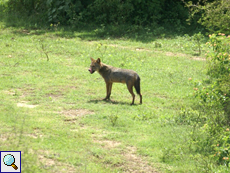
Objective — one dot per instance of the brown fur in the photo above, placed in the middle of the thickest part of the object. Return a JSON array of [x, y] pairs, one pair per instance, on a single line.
[[113, 74]]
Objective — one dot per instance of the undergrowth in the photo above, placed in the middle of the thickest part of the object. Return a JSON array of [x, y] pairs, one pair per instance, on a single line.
[[209, 116]]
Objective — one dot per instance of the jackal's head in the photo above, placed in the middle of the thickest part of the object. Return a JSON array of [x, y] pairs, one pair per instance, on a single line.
[[95, 65]]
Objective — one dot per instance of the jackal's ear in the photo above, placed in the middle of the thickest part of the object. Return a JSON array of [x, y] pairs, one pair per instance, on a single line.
[[98, 60], [92, 59]]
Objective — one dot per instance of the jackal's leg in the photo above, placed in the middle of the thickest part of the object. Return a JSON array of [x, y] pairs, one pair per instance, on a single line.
[[130, 88], [108, 90], [140, 99]]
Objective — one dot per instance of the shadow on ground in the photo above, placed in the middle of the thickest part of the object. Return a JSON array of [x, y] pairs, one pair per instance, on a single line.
[[96, 101]]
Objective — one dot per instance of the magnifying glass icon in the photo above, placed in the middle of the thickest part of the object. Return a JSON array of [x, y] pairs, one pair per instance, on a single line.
[[9, 160]]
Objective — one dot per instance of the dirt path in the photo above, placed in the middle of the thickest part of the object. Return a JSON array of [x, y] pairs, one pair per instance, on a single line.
[[132, 162], [197, 58]]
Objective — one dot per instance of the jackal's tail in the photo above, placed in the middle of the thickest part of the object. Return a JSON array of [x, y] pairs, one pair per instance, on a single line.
[[137, 85]]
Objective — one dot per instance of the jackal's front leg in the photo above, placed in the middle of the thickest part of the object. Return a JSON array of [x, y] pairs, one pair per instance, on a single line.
[[108, 90]]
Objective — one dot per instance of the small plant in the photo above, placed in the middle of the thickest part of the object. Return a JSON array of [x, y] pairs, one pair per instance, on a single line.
[[54, 26], [144, 116], [43, 48], [158, 45], [198, 38], [102, 49], [100, 32], [188, 116], [113, 119]]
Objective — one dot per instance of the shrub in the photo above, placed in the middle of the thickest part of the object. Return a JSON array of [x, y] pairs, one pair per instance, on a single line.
[[214, 15], [50, 11], [213, 119], [198, 38], [219, 68]]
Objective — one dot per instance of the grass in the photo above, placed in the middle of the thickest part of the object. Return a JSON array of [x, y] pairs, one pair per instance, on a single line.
[[52, 110]]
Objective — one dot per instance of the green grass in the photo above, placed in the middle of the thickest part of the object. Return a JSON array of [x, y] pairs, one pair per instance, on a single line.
[[70, 129]]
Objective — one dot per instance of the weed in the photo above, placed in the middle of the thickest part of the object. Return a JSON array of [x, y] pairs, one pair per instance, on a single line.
[[158, 45], [102, 49], [43, 48], [145, 115], [113, 119], [198, 39]]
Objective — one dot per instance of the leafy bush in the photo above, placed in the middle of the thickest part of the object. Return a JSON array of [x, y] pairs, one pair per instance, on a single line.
[[219, 68], [50, 11], [198, 38], [209, 119], [65, 12], [116, 12], [27, 7], [213, 93], [213, 117], [214, 15], [222, 148]]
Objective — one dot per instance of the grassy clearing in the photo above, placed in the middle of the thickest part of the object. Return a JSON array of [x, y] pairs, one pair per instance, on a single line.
[[52, 110]]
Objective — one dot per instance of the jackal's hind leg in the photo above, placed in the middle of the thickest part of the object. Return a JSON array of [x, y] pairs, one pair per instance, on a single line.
[[140, 98], [130, 88]]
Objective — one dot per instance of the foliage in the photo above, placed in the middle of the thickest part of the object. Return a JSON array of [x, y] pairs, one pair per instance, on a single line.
[[213, 15], [198, 37], [219, 67], [116, 12], [214, 91], [222, 148], [64, 12], [210, 120], [50, 11]]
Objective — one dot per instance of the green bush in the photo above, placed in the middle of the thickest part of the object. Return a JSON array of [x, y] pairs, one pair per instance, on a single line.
[[222, 148], [212, 120], [213, 15], [219, 68], [214, 92], [115, 12], [50, 11], [198, 39], [64, 11]]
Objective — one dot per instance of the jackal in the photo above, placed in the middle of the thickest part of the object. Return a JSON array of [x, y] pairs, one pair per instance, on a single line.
[[113, 74]]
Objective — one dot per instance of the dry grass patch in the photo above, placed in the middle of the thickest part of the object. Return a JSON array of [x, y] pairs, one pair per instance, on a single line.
[[49, 163], [107, 144], [3, 137], [73, 115], [175, 54], [134, 163], [198, 58], [24, 104], [76, 113], [35, 135]]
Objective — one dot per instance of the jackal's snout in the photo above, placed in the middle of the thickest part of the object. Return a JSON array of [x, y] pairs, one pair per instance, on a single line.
[[91, 70]]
